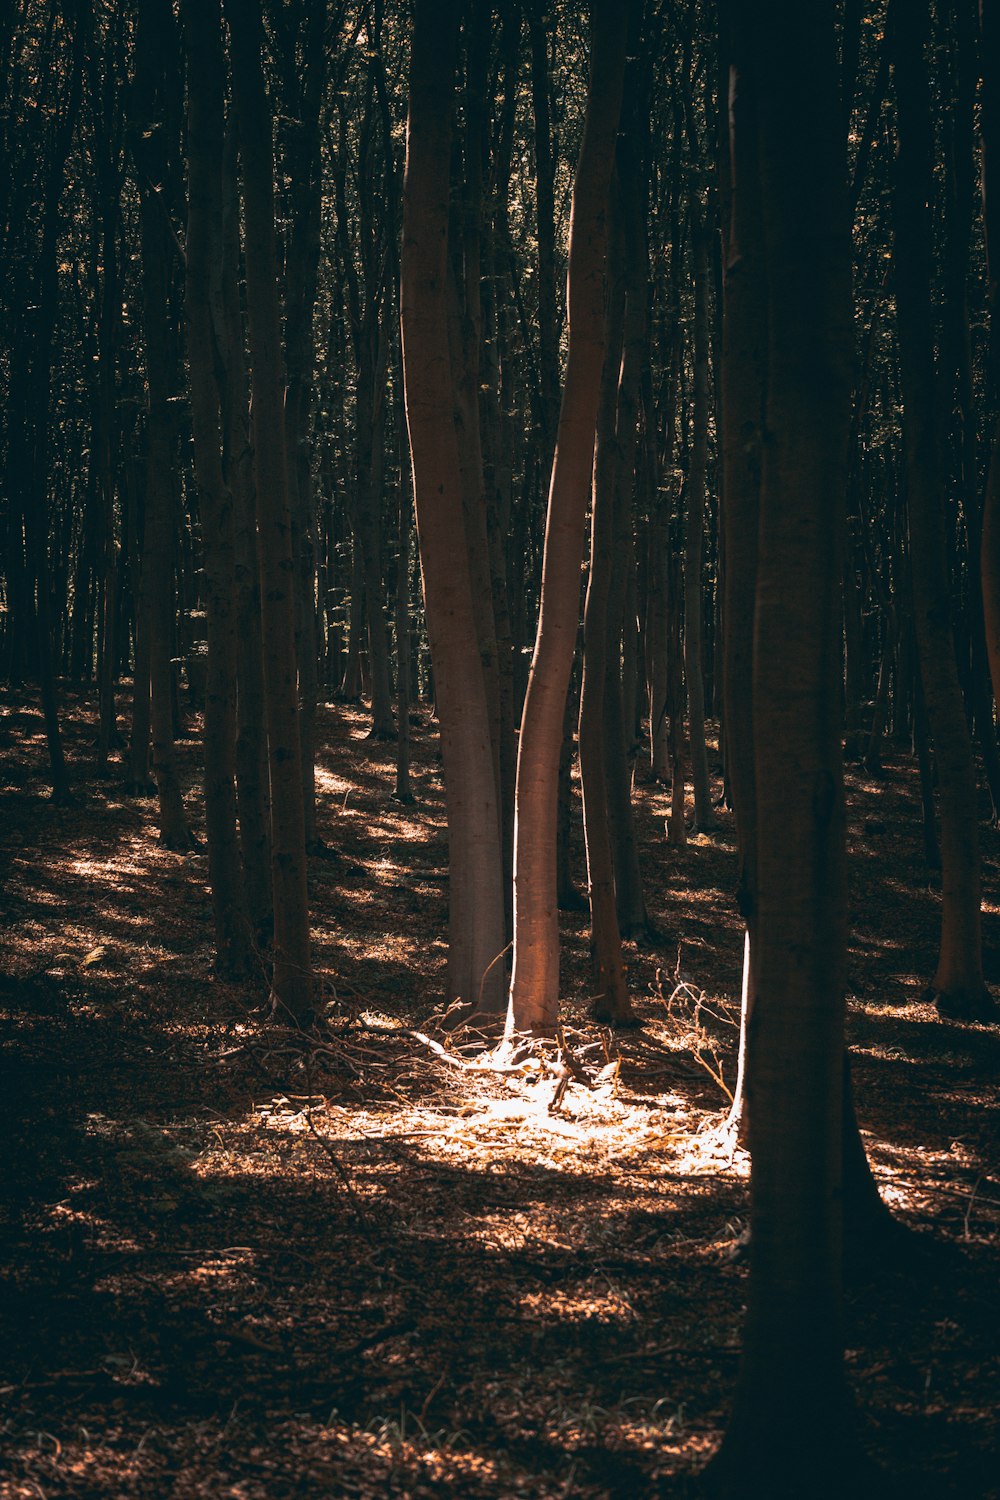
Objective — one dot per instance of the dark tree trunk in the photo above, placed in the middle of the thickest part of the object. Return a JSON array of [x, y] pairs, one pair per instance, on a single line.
[[202, 20], [292, 972], [791, 1431], [958, 981]]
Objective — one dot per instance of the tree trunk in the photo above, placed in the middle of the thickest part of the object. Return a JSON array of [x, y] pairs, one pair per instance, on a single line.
[[162, 508], [251, 737], [534, 992], [202, 21], [958, 981], [791, 1432], [475, 890], [292, 975], [695, 533], [609, 998]]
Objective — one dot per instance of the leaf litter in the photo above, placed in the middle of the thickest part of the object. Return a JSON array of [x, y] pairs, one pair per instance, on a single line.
[[392, 1259]]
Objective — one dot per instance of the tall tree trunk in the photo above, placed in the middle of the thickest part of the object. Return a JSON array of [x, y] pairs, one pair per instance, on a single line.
[[404, 789], [609, 999], [202, 21], [791, 1431], [292, 973], [534, 992], [958, 981], [476, 923], [302, 168], [990, 127], [154, 39], [695, 533], [251, 736]]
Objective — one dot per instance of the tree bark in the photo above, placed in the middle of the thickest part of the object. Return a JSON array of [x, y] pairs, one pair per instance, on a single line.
[[291, 980], [162, 508], [251, 737], [695, 532], [202, 21], [791, 1430], [476, 923], [609, 998], [534, 992], [958, 981]]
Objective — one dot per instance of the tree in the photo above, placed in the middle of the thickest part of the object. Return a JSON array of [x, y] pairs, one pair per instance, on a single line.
[[155, 45], [534, 989], [475, 939], [291, 981], [204, 309], [791, 1431], [610, 1000], [958, 981]]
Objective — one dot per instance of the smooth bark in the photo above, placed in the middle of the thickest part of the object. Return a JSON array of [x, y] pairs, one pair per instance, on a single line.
[[476, 924], [291, 980], [534, 992]]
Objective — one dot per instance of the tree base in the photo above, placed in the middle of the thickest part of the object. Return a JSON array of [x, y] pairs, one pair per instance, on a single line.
[[646, 935], [625, 1020], [819, 1475], [793, 1450], [180, 842], [975, 1004], [144, 789]]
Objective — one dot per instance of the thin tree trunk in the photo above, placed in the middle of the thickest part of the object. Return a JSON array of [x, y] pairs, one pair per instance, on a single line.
[[958, 981], [202, 21], [154, 41], [475, 888], [292, 974], [403, 789], [534, 993], [251, 737], [695, 533], [609, 998]]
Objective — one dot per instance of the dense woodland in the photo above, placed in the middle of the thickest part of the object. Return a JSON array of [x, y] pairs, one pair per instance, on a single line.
[[499, 628]]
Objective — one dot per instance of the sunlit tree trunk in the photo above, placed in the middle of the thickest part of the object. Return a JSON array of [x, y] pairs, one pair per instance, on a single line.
[[476, 921], [534, 993]]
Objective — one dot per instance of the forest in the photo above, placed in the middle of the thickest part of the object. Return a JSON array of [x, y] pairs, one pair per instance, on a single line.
[[499, 763]]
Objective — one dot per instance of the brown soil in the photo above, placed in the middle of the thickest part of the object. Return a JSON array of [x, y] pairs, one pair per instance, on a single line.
[[235, 1267]]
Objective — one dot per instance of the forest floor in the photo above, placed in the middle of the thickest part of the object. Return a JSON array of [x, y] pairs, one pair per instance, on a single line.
[[231, 1267]]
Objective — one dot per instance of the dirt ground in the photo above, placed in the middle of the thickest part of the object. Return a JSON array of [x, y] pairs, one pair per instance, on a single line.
[[231, 1267]]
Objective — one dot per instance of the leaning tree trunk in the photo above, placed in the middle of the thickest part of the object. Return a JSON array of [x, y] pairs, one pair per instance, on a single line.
[[476, 922], [791, 1430], [958, 981], [291, 981], [534, 990]]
